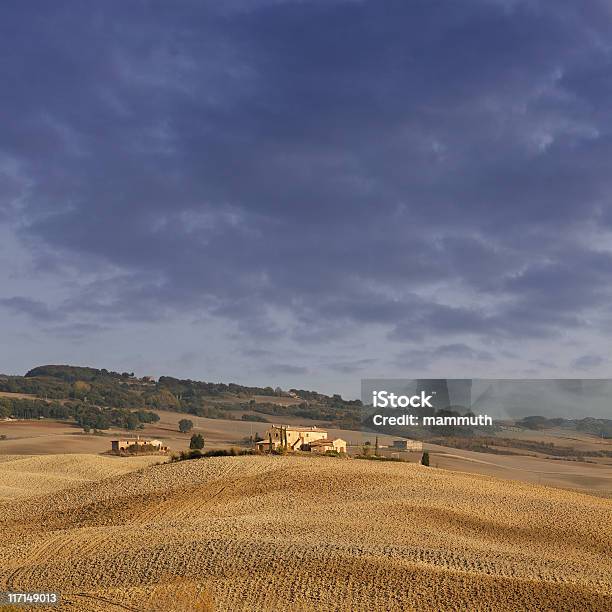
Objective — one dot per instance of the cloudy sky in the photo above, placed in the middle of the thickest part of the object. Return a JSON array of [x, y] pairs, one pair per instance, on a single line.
[[305, 193]]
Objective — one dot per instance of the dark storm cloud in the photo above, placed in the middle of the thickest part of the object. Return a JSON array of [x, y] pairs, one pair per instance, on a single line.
[[586, 362], [351, 366], [30, 308], [460, 352], [308, 168], [283, 368]]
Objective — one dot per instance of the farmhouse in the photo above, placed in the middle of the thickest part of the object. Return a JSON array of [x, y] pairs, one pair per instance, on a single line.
[[337, 445], [293, 437], [134, 444], [409, 445], [298, 438]]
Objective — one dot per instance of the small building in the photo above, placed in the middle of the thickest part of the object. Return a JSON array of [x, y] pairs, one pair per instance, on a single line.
[[134, 444], [337, 445], [408, 445], [300, 438], [294, 437]]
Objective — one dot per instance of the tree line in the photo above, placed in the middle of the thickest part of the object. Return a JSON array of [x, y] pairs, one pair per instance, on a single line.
[[85, 415], [101, 388]]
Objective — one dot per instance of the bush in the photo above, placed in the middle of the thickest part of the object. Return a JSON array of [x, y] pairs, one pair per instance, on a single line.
[[185, 425], [232, 452], [380, 458], [146, 416], [135, 449], [186, 456], [197, 442], [425, 459], [222, 452], [254, 418], [217, 453]]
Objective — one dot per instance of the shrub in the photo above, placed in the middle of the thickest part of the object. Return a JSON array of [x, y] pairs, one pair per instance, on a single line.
[[222, 452], [197, 442], [185, 425], [380, 458], [186, 456], [425, 459], [146, 416], [135, 449], [254, 417]]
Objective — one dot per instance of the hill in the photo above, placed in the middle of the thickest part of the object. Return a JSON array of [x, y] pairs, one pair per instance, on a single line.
[[26, 476], [271, 533], [99, 398]]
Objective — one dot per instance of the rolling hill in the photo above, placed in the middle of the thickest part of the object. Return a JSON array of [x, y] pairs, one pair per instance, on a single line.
[[278, 533]]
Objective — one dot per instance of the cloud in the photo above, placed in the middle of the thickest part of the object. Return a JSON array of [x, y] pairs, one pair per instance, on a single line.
[[462, 351], [310, 171], [284, 368], [458, 353], [352, 366], [31, 308], [588, 362]]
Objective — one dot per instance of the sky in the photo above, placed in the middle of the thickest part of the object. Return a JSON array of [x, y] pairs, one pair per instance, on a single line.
[[307, 193]]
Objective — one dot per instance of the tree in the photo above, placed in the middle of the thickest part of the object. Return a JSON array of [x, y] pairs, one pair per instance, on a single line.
[[6, 408], [185, 425], [425, 459], [162, 399], [101, 422], [132, 421], [146, 416], [197, 442], [80, 389]]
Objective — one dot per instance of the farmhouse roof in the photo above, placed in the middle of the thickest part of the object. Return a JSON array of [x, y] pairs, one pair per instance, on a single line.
[[298, 428], [325, 442]]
